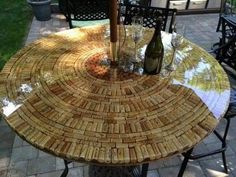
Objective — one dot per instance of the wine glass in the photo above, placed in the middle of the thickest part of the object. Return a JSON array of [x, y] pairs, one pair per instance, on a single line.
[[106, 61], [176, 41], [137, 32]]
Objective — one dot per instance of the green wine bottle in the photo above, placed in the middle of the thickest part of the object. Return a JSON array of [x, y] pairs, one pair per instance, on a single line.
[[154, 52]]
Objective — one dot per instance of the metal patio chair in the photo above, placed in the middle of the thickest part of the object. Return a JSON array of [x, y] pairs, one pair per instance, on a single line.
[[226, 56], [150, 16], [85, 12]]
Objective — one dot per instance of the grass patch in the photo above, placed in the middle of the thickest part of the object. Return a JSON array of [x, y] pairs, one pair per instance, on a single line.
[[15, 17]]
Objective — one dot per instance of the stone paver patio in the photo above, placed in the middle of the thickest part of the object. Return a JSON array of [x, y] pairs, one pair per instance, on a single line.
[[19, 159]]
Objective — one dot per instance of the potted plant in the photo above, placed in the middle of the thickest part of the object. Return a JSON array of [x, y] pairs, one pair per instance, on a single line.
[[41, 9]]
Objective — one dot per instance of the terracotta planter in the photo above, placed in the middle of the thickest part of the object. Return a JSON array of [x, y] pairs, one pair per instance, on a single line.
[[41, 9]]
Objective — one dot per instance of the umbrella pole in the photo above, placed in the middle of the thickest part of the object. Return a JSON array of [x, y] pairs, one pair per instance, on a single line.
[[113, 30]]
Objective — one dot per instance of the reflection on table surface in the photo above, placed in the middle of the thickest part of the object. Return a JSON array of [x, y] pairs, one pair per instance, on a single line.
[[57, 96]]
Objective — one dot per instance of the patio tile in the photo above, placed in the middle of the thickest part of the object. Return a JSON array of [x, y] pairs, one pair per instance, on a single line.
[[56, 23], [231, 161], [41, 165], [18, 169], [232, 133], [213, 167], [153, 173], [193, 170], [51, 174], [24, 153], [3, 172], [168, 171], [60, 164], [233, 121], [43, 154], [58, 16], [213, 146], [7, 137], [75, 172], [18, 142], [201, 148], [232, 144], [211, 139], [86, 171], [172, 161], [156, 164], [4, 162], [25, 143], [76, 164], [212, 173], [5, 155], [2, 122], [221, 125]]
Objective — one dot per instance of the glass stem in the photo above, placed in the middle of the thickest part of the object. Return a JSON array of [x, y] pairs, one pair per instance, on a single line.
[[173, 57], [135, 51]]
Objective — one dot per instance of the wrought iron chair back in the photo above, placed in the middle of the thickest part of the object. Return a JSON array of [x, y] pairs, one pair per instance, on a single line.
[[227, 52], [150, 16], [140, 2], [228, 27], [85, 10], [226, 8]]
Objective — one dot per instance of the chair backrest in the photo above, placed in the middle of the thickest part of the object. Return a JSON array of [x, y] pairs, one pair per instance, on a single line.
[[145, 2], [150, 16], [84, 10], [228, 27], [228, 7], [140, 2], [227, 52]]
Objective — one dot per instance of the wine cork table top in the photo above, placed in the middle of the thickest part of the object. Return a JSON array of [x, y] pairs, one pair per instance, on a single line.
[[55, 94]]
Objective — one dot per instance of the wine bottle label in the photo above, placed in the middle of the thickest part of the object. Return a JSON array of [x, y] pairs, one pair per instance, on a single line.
[[151, 64]]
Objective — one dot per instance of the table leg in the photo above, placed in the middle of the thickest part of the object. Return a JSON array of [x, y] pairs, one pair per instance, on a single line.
[[110, 171], [144, 170], [185, 162], [65, 172]]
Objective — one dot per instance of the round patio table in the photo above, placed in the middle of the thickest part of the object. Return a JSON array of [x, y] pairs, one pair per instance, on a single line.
[[57, 95]]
